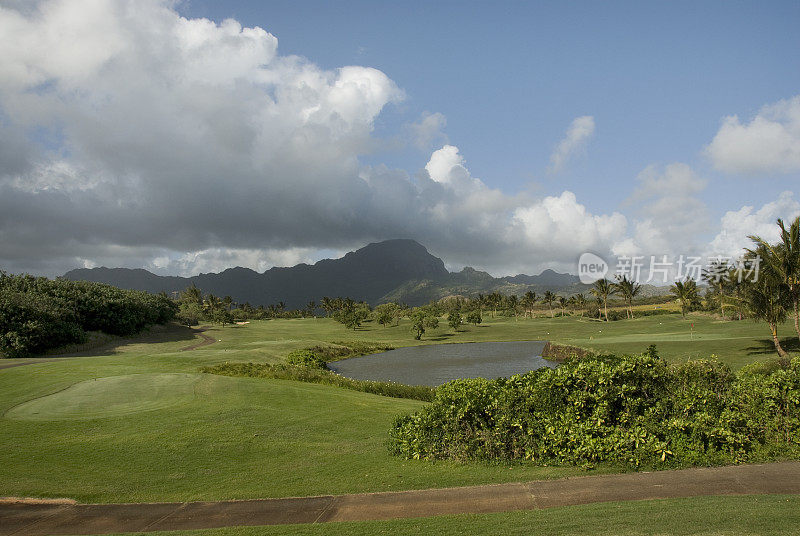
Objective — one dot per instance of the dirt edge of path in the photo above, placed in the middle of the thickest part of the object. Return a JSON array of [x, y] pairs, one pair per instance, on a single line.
[[205, 342], [46, 518]]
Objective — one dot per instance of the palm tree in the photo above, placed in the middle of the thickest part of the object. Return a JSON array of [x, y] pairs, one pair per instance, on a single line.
[[580, 302], [767, 299], [327, 305], [629, 290], [549, 298], [562, 301], [783, 259], [716, 276], [212, 304], [192, 294], [495, 299], [311, 307], [686, 293], [513, 304], [528, 301], [602, 289], [737, 288]]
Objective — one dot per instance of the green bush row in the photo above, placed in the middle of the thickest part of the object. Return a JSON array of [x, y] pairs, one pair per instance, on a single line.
[[38, 314], [318, 356], [635, 411], [325, 377]]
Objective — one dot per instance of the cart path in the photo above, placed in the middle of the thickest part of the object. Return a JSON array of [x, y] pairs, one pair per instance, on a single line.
[[205, 342], [36, 518]]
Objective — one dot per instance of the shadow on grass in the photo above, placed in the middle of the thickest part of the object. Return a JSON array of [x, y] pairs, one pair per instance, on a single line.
[[110, 344], [442, 337], [766, 346]]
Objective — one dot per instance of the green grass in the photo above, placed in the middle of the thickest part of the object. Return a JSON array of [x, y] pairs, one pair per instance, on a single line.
[[718, 516], [134, 423]]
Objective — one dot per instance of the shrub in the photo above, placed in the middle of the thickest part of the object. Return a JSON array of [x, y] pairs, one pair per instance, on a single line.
[[32, 324], [318, 356], [306, 358], [631, 410], [38, 314], [325, 377]]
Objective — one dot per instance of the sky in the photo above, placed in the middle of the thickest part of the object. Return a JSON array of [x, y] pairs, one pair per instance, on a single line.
[[193, 136]]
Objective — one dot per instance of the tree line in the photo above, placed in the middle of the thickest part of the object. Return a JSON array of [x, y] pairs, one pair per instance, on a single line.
[[38, 314]]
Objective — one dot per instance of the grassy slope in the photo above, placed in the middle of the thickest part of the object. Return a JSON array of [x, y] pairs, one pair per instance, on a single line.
[[241, 438], [730, 516]]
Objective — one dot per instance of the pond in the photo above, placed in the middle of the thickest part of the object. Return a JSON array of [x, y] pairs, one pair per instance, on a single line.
[[436, 364]]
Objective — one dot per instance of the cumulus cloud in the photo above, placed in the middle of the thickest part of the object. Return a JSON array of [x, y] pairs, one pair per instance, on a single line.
[[578, 134], [672, 218], [428, 130], [768, 144], [133, 136], [737, 225], [560, 227]]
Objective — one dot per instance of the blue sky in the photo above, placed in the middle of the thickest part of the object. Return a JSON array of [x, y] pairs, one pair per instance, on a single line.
[[191, 136], [658, 77]]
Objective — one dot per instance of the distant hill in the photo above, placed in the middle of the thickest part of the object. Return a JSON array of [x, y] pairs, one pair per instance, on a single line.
[[393, 270]]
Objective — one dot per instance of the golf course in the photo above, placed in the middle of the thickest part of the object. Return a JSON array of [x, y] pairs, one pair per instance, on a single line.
[[136, 421]]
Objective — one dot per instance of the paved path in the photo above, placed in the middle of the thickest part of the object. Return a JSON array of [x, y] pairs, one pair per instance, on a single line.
[[35, 519]]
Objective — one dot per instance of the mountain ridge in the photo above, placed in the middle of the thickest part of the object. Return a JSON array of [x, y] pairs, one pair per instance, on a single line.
[[401, 270]]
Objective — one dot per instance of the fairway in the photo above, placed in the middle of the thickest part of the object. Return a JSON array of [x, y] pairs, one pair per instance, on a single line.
[[136, 422]]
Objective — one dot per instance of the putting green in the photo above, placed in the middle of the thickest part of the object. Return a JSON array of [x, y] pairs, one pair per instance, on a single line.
[[113, 396]]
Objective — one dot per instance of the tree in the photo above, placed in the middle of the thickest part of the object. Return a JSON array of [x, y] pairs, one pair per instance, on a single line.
[[311, 308], [495, 299], [783, 260], [192, 295], [222, 316], [528, 302], [580, 302], [352, 314], [716, 276], [549, 298], [386, 313], [602, 289], [211, 304], [768, 299], [454, 320], [422, 319], [474, 317], [628, 289], [562, 302], [480, 301], [327, 305], [513, 305], [686, 293]]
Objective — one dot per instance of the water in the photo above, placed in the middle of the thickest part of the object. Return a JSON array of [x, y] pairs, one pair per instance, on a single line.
[[440, 363]]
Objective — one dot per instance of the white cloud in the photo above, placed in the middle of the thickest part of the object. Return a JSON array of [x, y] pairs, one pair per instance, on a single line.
[[578, 134], [446, 165], [559, 229], [428, 130], [672, 219], [185, 145], [769, 143], [737, 225]]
